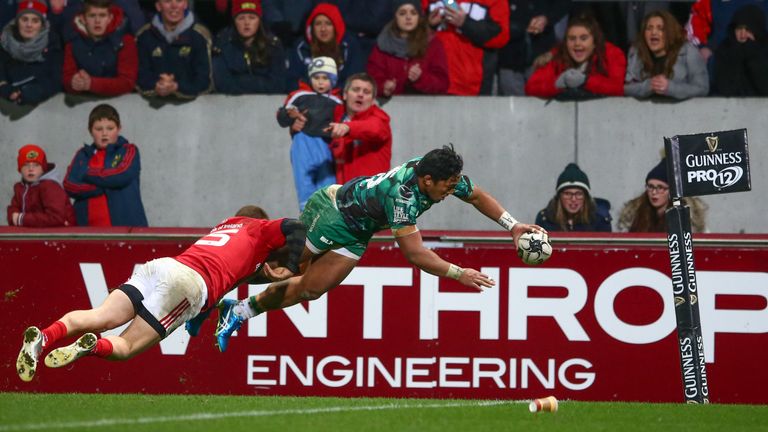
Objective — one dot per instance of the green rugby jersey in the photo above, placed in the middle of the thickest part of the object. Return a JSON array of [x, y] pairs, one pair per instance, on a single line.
[[388, 200]]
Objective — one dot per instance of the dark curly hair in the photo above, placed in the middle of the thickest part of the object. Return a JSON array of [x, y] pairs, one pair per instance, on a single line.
[[440, 164]]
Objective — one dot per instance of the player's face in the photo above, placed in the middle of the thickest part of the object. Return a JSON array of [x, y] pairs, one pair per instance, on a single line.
[[171, 11], [572, 200], [654, 36], [321, 83], [439, 190], [97, 20], [407, 18], [359, 96], [31, 172], [247, 24], [658, 193], [29, 25], [580, 44], [104, 133], [323, 29]]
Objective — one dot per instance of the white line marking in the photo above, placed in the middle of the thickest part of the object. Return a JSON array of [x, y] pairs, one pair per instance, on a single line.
[[263, 413]]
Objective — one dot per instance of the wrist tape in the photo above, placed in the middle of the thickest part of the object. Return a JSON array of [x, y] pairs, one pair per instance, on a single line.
[[507, 221]]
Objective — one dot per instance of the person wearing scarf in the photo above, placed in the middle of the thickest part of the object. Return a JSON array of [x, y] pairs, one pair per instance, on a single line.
[[30, 56], [174, 53], [406, 57]]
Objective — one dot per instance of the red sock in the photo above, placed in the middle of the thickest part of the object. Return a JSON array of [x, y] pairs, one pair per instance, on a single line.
[[103, 348], [53, 333]]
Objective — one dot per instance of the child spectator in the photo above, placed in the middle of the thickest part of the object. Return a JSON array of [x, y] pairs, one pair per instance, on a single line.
[[573, 208], [174, 53], [582, 65], [741, 61], [325, 36], [102, 57], [38, 199], [103, 177], [663, 63], [30, 58], [647, 212], [308, 111], [247, 59], [406, 57]]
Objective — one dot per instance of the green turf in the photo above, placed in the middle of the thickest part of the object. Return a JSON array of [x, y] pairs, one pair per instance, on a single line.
[[89, 412]]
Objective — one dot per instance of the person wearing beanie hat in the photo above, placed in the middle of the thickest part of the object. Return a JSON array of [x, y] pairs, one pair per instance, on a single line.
[[323, 65], [39, 200], [406, 58], [308, 111], [247, 59], [30, 56], [647, 212], [573, 208], [246, 6]]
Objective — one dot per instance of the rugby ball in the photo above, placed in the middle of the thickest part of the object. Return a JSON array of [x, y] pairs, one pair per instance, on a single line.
[[533, 247]]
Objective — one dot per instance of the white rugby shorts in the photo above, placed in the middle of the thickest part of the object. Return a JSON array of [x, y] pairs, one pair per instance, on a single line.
[[166, 293]]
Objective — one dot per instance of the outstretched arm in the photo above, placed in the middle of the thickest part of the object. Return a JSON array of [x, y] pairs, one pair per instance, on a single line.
[[415, 252], [486, 204]]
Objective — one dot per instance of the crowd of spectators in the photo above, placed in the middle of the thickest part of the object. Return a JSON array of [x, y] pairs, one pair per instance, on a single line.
[[318, 53], [165, 49]]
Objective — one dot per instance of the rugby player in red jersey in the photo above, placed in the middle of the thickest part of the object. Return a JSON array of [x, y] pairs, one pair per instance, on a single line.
[[164, 293]]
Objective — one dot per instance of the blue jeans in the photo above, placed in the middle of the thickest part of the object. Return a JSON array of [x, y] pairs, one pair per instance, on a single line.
[[313, 166]]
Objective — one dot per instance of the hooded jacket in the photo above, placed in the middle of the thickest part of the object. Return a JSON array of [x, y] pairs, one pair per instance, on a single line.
[[187, 57], [112, 61], [300, 55], [741, 69], [43, 203]]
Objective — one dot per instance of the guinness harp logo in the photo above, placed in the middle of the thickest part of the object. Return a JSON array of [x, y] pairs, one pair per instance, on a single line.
[[694, 299], [712, 142], [679, 300]]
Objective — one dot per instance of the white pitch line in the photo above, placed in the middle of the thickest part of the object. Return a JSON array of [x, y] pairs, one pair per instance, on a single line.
[[215, 416]]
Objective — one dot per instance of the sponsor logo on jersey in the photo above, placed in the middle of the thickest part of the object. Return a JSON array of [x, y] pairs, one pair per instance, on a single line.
[[326, 241], [399, 215]]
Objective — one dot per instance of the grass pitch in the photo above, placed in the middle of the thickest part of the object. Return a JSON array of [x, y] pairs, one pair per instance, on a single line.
[[136, 413]]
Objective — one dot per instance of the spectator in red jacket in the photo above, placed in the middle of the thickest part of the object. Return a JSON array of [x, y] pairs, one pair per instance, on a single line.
[[406, 57], [582, 65], [361, 137], [39, 200], [102, 58], [471, 31]]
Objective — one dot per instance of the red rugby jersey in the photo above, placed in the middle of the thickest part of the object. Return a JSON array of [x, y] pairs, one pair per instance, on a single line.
[[232, 250]]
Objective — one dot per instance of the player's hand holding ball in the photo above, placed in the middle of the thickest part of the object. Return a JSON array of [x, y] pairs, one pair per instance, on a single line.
[[533, 247]]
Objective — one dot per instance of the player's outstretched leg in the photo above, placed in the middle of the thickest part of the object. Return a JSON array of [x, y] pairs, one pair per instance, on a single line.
[[26, 363], [228, 323], [194, 324], [66, 355]]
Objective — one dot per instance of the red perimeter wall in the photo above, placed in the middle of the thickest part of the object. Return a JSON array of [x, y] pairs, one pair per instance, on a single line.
[[596, 322]]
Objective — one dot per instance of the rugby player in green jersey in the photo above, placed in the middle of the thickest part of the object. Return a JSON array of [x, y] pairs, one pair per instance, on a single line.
[[340, 221]]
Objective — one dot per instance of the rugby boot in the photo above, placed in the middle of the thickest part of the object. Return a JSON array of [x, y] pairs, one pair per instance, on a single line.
[[229, 322], [66, 355], [26, 363], [194, 324]]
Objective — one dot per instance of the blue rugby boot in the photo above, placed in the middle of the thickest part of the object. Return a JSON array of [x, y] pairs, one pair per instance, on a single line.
[[229, 322], [193, 325]]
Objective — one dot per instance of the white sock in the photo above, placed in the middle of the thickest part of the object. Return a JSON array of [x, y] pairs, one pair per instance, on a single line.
[[243, 310]]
